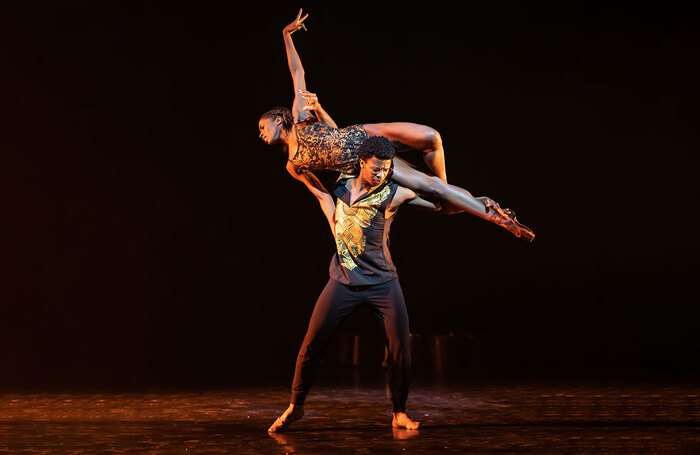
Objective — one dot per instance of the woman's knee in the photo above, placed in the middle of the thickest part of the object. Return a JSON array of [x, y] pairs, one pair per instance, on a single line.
[[434, 187], [433, 139], [429, 138]]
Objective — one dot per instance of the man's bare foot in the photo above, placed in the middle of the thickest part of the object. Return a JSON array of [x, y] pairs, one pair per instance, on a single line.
[[401, 420], [292, 414]]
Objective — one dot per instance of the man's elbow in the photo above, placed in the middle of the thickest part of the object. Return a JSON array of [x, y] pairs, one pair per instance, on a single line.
[[293, 170]]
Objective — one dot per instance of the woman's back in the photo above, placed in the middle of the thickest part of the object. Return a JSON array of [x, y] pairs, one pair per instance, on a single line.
[[323, 148]]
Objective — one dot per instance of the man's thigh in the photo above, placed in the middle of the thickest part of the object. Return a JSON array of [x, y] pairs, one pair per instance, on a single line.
[[335, 303]]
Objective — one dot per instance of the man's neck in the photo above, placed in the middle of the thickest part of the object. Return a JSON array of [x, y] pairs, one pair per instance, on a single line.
[[360, 185]]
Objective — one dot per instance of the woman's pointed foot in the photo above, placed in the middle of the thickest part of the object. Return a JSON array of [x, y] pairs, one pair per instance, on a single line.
[[506, 218], [401, 420], [292, 414], [517, 228]]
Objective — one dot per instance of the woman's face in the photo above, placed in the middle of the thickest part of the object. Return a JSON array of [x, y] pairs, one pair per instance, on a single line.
[[270, 129]]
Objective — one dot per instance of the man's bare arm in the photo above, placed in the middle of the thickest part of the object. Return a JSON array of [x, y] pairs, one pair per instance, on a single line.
[[317, 189], [408, 197]]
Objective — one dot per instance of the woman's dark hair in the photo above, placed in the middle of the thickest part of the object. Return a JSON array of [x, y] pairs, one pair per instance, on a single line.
[[378, 146], [286, 114]]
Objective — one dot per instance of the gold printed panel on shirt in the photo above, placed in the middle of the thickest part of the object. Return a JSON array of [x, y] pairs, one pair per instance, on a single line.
[[350, 222]]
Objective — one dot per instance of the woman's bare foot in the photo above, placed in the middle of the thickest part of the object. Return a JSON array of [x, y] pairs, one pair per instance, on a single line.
[[401, 420], [292, 414]]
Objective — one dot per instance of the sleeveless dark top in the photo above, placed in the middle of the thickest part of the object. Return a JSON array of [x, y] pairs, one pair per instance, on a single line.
[[362, 236], [324, 148]]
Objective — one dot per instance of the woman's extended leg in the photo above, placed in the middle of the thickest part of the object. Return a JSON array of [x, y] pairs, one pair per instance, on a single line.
[[417, 136], [434, 187]]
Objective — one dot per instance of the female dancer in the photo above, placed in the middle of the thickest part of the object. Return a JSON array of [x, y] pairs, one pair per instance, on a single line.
[[319, 145]]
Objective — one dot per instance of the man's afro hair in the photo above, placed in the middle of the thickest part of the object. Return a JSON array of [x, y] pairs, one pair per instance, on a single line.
[[378, 146]]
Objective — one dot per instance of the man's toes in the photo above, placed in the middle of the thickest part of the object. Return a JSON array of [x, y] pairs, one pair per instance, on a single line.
[[277, 426], [405, 422]]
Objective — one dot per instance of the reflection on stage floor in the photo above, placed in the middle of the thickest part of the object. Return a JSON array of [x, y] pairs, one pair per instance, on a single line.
[[349, 418]]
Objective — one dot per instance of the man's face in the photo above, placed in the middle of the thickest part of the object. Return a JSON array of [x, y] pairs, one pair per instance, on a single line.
[[374, 170]]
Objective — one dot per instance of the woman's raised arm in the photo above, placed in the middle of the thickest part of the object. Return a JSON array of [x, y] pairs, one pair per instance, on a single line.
[[295, 67]]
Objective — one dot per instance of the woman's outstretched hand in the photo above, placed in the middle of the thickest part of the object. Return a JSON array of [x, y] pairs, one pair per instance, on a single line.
[[297, 24], [312, 103]]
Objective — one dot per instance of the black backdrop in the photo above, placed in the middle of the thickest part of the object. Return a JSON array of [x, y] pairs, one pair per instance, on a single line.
[[149, 238]]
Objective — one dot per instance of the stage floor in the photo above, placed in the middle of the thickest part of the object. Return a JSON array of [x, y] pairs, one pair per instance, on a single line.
[[354, 419]]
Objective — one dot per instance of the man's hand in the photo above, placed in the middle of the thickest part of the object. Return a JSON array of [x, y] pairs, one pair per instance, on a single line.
[[297, 24], [490, 204]]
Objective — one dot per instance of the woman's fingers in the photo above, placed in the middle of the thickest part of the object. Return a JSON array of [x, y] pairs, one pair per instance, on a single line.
[[297, 23], [300, 20]]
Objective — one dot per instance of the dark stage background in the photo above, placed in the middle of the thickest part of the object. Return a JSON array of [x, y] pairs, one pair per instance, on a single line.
[[150, 239]]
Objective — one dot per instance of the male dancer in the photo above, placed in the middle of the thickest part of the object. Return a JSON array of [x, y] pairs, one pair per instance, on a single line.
[[361, 271]]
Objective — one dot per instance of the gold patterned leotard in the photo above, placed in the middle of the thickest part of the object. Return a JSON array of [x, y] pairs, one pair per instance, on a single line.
[[324, 148]]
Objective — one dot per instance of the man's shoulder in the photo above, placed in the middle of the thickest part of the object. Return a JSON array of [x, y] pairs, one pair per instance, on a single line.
[[341, 185], [400, 189], [401, 195], [343, 179]]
